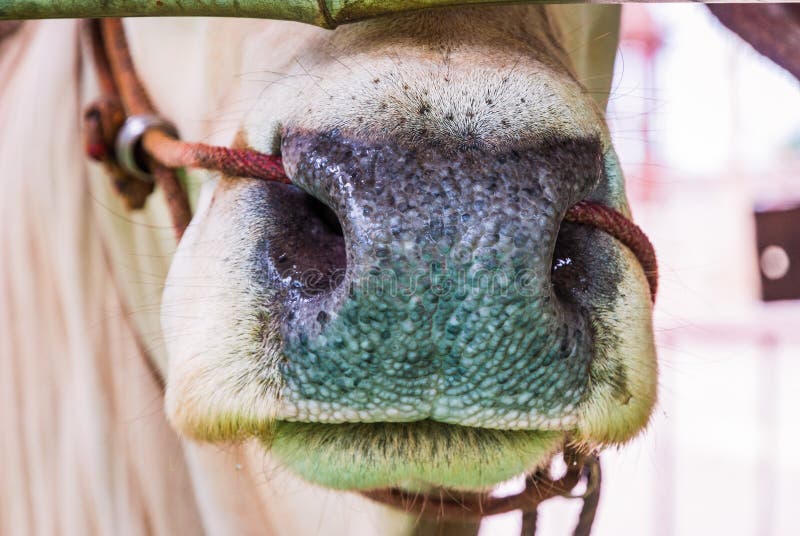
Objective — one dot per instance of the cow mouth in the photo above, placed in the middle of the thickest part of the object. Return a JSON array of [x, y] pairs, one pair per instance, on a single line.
[[439, 498], [413, 456]]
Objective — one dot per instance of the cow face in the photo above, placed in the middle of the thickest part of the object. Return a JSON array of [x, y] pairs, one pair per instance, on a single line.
[[412, 311]]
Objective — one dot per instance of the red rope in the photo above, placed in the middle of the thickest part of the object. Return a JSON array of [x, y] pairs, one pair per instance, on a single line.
[[175, 153]]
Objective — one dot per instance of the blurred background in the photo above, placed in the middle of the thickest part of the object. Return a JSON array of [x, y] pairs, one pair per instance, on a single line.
[[708, 132]]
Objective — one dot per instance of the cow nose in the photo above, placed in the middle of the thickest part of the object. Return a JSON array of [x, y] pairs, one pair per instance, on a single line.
[[416, 282]]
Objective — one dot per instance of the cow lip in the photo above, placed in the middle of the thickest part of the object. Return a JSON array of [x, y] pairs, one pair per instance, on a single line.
[[414, 455]]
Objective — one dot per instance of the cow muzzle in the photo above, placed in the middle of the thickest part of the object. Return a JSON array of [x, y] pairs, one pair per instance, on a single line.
[[404, 316]]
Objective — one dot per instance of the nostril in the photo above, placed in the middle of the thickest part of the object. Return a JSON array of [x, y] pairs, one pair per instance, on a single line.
[[325, 214], [569, 274], [583, 254], [306, 246]]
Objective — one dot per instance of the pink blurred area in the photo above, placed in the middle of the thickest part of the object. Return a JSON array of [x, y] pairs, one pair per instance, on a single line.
[[706, 130]]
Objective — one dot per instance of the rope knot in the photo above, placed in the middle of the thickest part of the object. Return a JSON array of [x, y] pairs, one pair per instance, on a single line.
[[102, 121]]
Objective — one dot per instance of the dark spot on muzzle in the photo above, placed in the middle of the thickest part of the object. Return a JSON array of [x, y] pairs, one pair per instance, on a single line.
[[413, 283]]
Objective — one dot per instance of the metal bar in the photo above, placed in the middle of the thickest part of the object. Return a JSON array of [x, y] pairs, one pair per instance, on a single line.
[[300, 10], [324, 13]]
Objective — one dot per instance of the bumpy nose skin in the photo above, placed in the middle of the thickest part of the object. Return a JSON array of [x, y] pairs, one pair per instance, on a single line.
[[445, 309]]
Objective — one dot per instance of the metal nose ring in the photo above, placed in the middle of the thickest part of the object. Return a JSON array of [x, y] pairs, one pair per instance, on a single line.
[[129, 138]]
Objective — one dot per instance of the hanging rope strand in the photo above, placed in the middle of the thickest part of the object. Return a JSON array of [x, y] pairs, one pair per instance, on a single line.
[[136, 102], [167, 153]]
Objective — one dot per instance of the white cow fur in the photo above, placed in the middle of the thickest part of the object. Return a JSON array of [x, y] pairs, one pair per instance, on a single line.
[[85, 447]]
